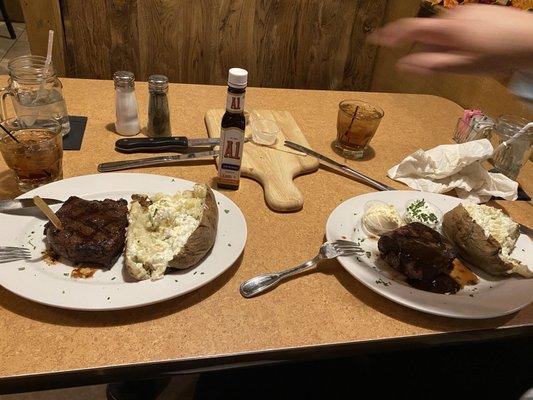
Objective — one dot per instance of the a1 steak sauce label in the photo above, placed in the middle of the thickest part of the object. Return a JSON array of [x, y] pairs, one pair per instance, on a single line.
[[235, 103], [231, 148]]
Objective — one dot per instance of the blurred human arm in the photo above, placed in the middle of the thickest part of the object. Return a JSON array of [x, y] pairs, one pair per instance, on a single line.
[[467, 39]]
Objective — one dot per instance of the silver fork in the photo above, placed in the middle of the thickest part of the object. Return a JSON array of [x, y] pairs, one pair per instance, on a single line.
[[8, 254], [338, 248]]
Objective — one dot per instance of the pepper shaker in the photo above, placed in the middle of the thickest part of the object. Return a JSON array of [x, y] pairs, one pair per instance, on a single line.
[[158, 111], [127, 114]]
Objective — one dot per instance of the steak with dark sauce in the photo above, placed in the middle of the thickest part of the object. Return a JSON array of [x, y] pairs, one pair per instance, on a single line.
[[423, 255]]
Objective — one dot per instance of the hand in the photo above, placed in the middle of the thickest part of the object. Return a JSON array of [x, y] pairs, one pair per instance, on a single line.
[[467, 39]]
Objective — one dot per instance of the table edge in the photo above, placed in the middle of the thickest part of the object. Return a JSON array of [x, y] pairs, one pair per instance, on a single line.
[[154, 369]]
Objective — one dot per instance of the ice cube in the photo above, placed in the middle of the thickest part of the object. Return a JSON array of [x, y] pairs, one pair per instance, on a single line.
[[42, 97]]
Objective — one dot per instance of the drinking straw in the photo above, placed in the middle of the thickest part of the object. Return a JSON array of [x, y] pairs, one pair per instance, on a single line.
[[351, 122], [515, 137], [48, 55], [9, 133]]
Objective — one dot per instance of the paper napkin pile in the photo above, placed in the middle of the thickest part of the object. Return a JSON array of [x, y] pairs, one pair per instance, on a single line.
[[455, 166]]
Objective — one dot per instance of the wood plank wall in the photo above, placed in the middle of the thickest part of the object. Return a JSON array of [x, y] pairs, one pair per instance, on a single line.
[[40, 16], [317, 44]]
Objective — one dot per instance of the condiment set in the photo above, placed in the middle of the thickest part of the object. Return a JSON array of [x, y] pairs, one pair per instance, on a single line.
[[127, 113], [231, 140]]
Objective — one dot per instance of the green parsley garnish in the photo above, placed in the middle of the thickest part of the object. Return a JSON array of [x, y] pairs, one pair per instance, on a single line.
[[417, 208], [382, 282]]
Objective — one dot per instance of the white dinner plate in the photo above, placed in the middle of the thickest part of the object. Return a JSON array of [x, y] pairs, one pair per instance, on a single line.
[[111, 289], [491, 297]]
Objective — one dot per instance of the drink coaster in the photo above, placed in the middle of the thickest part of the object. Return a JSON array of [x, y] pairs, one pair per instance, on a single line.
[[77, 128]]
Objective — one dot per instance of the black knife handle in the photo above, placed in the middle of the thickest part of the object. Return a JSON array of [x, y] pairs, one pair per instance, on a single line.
[[152, 142]]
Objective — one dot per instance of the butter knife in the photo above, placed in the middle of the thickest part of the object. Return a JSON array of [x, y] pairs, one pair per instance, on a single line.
[[338, 166], [17, 204], [145, 162]]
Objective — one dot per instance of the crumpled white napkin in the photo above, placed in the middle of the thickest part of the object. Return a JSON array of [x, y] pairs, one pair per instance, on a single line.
[[455, 166]]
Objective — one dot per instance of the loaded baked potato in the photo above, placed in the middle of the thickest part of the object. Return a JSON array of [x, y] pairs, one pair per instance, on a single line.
[[485, 237], [170, 231]]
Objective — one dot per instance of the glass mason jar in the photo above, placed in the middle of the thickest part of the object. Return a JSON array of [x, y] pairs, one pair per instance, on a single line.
[[33, 95], [511, 158]]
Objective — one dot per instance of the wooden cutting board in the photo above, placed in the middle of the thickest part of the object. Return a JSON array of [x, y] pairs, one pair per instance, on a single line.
[[275, 168]]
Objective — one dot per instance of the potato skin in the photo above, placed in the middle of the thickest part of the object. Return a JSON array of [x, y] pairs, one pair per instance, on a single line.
[[202, 239], [469, 238]]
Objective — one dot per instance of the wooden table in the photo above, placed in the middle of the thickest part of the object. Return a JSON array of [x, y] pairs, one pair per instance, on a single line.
[[320, 314]]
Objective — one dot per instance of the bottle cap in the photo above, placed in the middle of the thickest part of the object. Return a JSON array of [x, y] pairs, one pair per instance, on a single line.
[[157, 83], [238, 78], [123, 79]]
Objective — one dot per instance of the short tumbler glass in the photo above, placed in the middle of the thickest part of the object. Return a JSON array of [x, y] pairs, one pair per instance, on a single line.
[[357, 122], [37, 157]]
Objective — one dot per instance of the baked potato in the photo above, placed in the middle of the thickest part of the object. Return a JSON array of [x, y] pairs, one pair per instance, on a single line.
[[203, 237], [484, 236], [170, 231]]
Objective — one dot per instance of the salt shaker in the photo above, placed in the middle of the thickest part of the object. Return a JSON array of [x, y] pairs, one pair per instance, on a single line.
[[127, 114], [158, 111]]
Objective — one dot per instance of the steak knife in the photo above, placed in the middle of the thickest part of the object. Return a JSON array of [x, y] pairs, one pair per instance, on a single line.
[[144, 162], [338, 166], [17, 204], [170, 143]]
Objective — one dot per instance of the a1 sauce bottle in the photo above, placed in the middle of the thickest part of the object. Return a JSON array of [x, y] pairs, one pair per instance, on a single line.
[[232, 131]]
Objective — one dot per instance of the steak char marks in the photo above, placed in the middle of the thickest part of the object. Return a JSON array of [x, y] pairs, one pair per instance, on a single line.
[[422, 255], [93, 231]]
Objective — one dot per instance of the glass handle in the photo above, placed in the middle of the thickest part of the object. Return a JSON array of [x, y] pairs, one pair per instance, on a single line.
[[4, 92]]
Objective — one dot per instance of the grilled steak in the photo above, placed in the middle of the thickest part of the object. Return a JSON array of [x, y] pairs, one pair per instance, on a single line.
[[93, 231], [422, 254]]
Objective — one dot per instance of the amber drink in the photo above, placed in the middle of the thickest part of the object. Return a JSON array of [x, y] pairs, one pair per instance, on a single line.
[[357, 122], [37, 157]]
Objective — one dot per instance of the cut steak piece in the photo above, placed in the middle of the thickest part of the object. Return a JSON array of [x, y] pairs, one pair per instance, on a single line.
[[422, 254], [93, 231]]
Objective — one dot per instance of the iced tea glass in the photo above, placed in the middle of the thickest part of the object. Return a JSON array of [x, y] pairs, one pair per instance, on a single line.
[[37, 159], [357, 122]]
